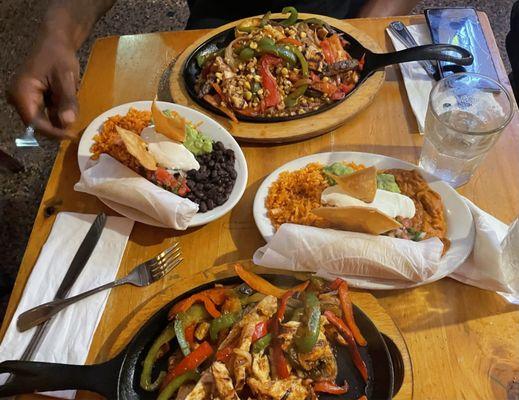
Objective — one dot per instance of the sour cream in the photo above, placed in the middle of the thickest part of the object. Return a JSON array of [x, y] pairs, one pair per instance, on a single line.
[[169, 154], [390, 203]]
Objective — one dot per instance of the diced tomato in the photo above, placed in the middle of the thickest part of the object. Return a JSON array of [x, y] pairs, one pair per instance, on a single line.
[[329, 56], [362, 61], [330, 387], [337, 49], [346, 88]]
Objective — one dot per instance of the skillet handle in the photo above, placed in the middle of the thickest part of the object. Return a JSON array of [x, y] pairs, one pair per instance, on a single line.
[[436, 52], [31, 377]]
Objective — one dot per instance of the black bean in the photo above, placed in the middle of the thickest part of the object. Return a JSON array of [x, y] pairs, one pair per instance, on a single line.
[[203, 207], [233, 174], [210, 204], [199, 194], [220, 200], [214, 173]]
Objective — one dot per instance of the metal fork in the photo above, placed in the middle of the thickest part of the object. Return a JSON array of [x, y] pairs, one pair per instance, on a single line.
[[143, 275], [27, 139]]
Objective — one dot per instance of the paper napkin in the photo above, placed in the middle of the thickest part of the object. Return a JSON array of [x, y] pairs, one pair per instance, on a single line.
[[417, 83], [71, 331], [108, 179]]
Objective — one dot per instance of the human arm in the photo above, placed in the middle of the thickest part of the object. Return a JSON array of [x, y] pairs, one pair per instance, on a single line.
[[49, 77]]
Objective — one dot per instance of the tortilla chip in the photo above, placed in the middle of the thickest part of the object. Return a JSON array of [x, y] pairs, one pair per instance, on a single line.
[[138, 148], [361, 184], [358, 219], [173, 127]]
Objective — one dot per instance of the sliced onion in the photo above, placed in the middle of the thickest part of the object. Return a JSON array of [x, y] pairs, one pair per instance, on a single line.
[[229, 52]]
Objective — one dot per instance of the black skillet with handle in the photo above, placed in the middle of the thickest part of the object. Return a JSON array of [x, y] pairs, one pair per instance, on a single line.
[[373, 62], [119, 377]]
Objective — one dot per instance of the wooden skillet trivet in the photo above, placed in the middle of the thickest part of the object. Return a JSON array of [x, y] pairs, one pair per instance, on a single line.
[[124, 333], [288, 131]]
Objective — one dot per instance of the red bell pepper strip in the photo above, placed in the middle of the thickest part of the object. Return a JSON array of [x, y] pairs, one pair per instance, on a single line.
[[189, 363], [224, 354], [261, 285], [272, 96], [184, 305], [335, 284], [346, 88], [290, 40], [283, 305], [259, 331], [329, 56], [362, 61], [330, 387], [352, 346], [280, 361], [347, 314], [337, 49], [190, 334]]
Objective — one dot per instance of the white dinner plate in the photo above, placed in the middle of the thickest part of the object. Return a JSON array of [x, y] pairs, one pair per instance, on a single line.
[[460, 225], [206, 125]]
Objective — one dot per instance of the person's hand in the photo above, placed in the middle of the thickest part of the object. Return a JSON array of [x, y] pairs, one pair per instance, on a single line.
[[48, 80]]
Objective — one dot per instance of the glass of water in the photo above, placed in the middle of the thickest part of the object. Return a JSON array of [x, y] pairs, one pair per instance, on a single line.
[[466, 114]]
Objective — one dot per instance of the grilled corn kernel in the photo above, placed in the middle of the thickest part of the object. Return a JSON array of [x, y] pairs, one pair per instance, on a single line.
[[326, 79], [253, 45], [284, 71], [248, 95], [257, 78], [247, 85], [303, 34], [201, 330], [218, 75], [260, 92]]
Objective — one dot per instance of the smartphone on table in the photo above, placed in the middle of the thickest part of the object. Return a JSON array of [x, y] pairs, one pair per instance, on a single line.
[[461, 27]]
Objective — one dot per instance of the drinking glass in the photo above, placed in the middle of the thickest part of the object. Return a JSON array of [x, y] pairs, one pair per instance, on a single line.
[[465, 116]]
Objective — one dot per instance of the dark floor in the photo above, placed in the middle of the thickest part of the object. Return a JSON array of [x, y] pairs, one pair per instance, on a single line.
[[21, 193]]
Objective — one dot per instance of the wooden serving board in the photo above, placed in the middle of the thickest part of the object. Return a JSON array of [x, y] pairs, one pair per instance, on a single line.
[[122, 334], [287, 131]]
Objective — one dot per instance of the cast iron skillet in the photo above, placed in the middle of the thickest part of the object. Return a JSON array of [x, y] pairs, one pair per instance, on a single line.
[[119, 377], [373, 62]]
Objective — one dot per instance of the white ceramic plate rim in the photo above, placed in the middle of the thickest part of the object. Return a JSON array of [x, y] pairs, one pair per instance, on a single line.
[[208, 127], [460, 223]]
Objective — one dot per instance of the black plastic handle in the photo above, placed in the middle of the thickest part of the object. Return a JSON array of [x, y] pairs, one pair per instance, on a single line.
[[436, 52], [32, 377]]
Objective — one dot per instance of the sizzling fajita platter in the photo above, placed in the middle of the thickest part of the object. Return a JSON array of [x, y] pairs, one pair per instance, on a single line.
[[286, 69], [248, 336], [367, 194]]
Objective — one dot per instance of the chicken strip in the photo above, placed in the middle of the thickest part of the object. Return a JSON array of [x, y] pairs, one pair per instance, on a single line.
[[203, 388], [223, 382], [280, 389], [261, 367]]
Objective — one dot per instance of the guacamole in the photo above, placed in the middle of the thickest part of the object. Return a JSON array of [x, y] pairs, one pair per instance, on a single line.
[[196, 142], [387, 182], [337, 168]]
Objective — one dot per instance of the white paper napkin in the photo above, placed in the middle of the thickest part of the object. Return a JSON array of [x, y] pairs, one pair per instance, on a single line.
[[108, 179], [384, 262], [71, 331], [417, 83]]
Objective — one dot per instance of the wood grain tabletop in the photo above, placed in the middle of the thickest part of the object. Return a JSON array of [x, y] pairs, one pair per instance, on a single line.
[[463, 341]]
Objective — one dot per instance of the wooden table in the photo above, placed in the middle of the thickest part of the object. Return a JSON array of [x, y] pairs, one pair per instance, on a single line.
[[463, 341]]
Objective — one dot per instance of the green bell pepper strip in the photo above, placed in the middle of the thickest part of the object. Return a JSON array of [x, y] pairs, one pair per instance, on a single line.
[[246, 54], [292, 18], [175, 384], [265, 19], [301, 58], [315, 21], [307, 336], [256, 297], [292, 99], [181, 336], [267, 46], [261, 344], [220, 323], [166, 335], [297, 314], [206, 54]]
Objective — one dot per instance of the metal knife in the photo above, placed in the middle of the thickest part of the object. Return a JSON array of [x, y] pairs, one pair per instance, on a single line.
[[405, 37], [76, 266]]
